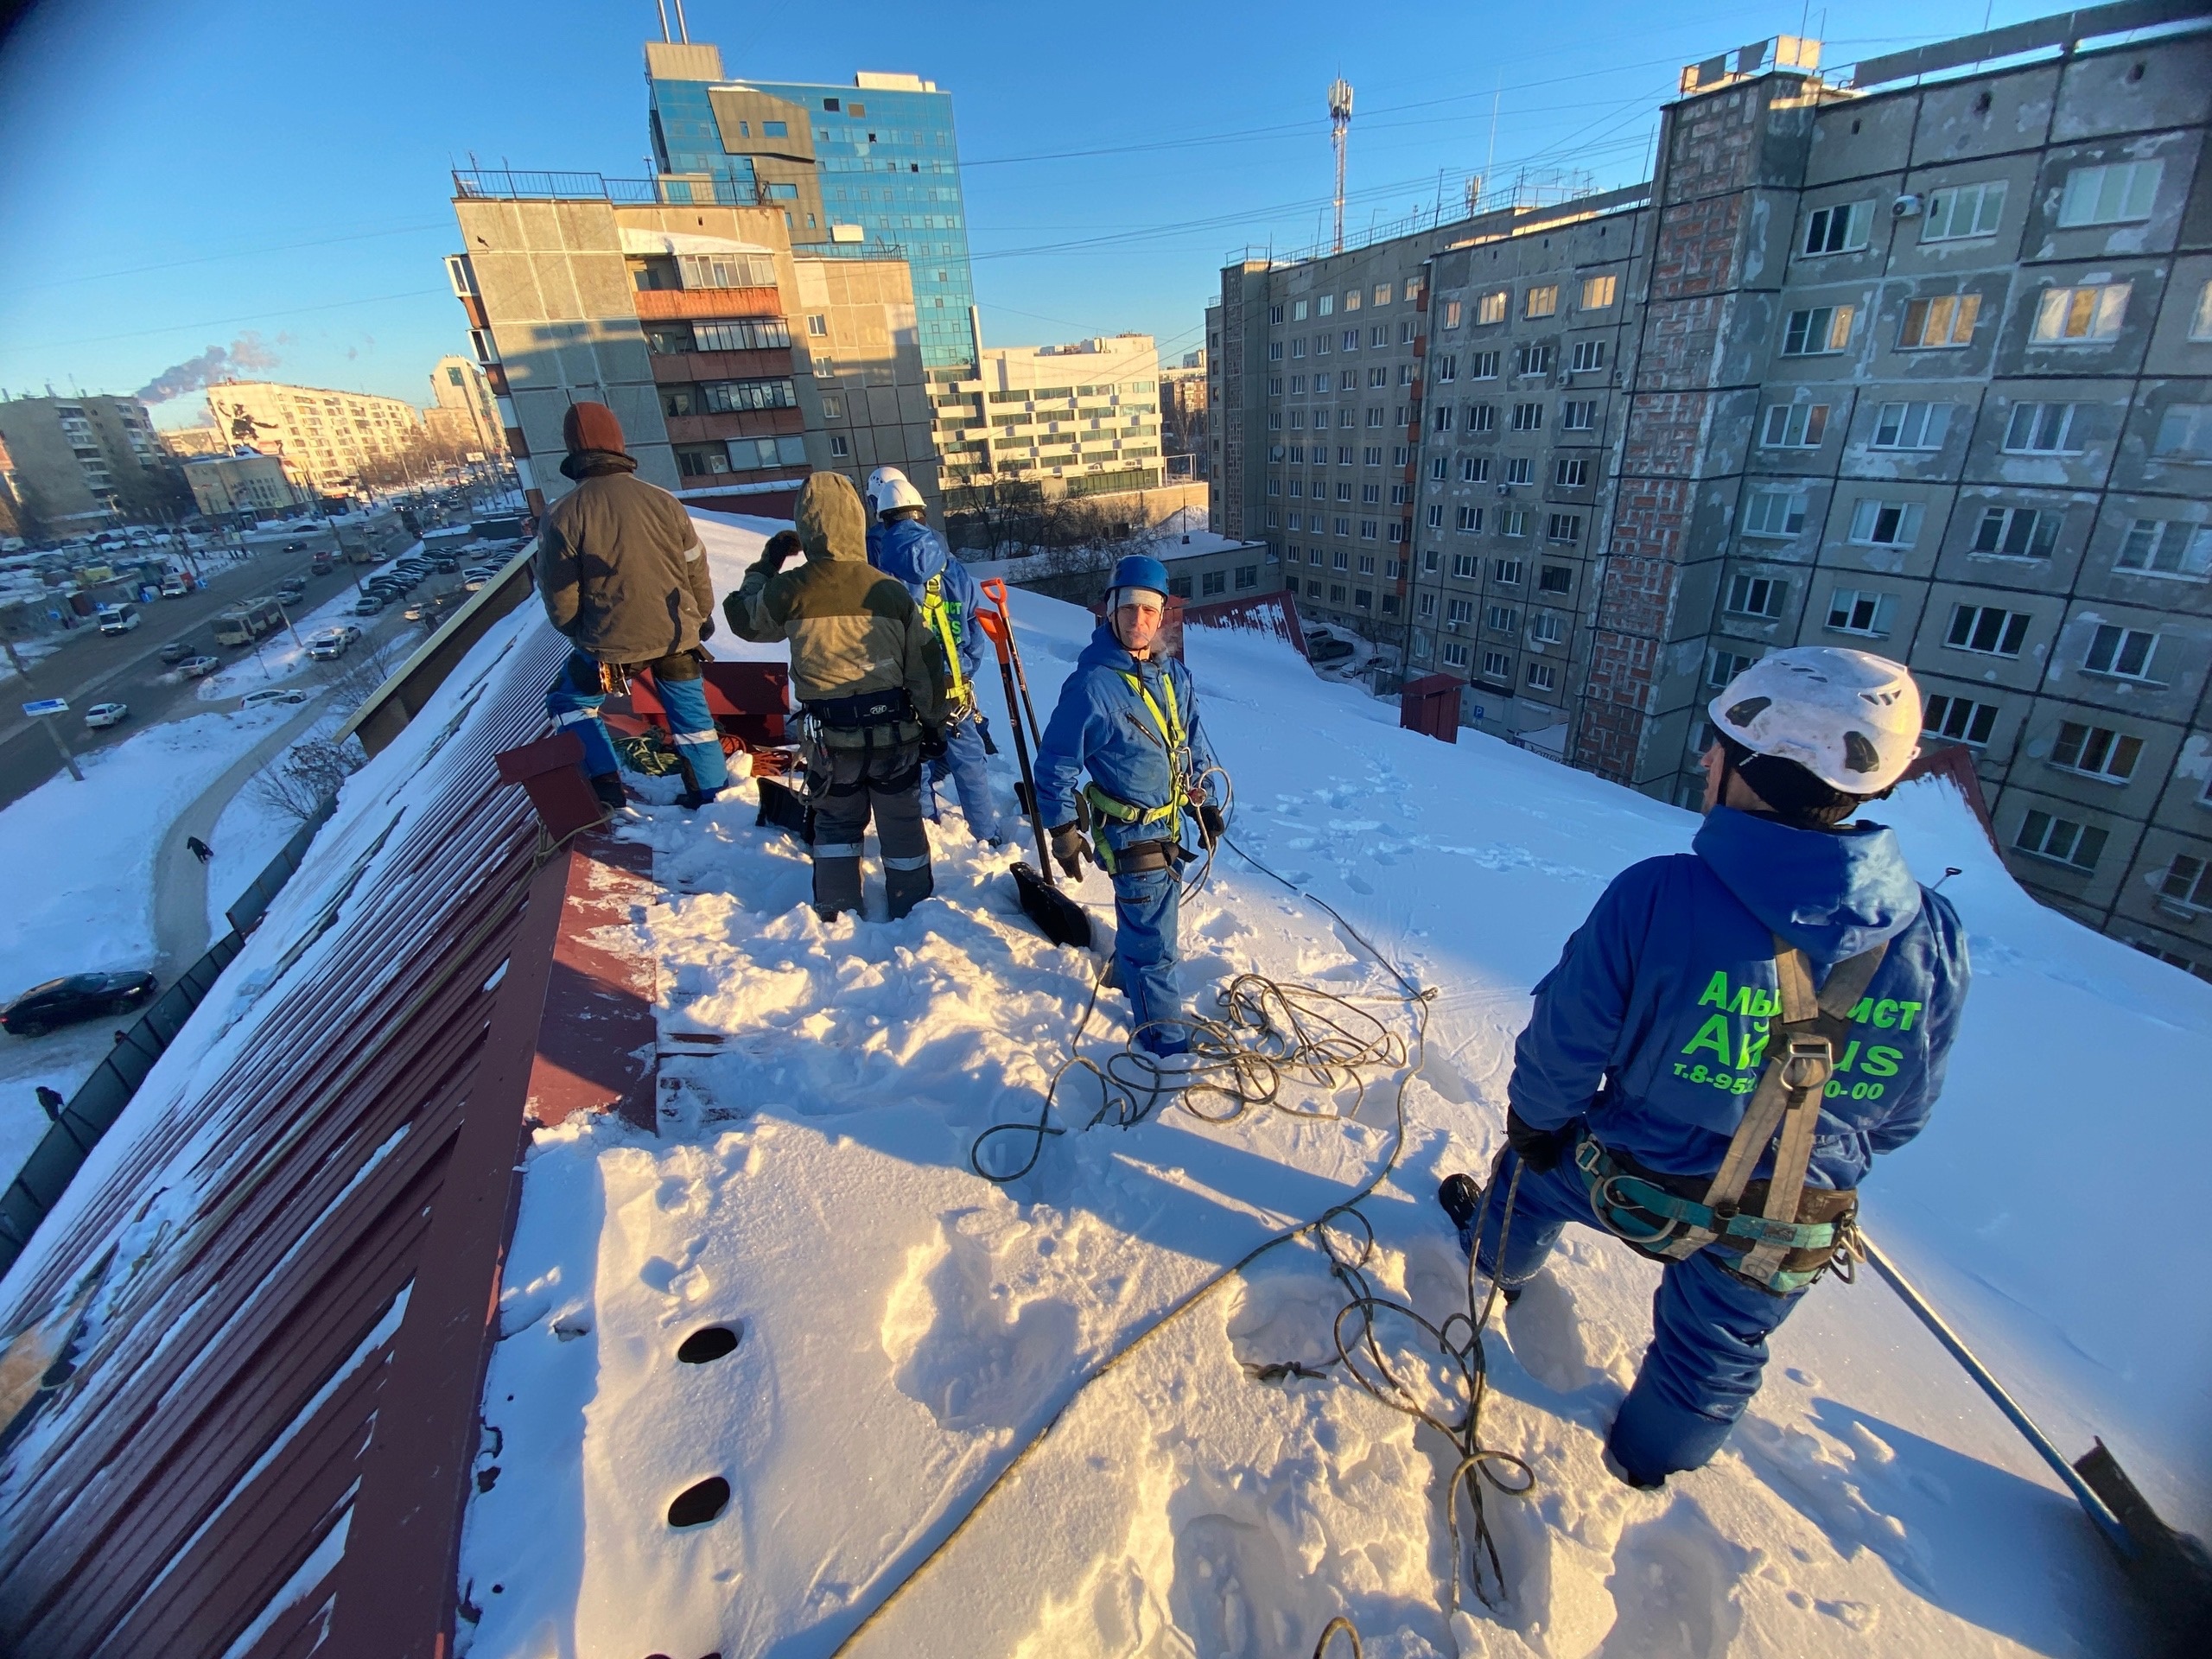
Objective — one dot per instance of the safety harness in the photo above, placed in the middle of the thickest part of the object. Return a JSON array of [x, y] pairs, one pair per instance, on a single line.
[[1105, 809], [1784, 1235], [942, 618]]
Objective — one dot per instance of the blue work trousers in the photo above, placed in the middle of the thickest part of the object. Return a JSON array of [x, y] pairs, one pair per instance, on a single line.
[[1146, 913], [577, 692], [963, 761], [1708, 1327]]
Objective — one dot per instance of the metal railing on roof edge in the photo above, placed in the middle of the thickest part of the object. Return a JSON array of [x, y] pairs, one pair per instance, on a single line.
[[679, 190], [100, 1099]]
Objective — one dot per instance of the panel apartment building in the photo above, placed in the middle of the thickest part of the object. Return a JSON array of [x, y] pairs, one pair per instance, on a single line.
[[331, 441], [730, 359], [1919, 362], [77, 465], [1079, 419]]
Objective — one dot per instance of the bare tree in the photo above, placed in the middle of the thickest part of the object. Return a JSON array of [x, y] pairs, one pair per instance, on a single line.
[[355, 678], [305, 779]]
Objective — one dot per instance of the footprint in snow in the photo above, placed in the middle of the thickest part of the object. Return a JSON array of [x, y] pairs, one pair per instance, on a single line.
[[1675, 1588], [1546, 1335]]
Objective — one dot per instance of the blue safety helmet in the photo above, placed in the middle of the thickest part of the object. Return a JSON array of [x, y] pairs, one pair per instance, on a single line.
[[1139, 570]]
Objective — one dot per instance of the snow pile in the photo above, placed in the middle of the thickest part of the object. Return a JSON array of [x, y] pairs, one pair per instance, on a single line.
[[905, 1329]]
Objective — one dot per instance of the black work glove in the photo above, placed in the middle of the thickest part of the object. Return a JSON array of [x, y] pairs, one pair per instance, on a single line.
[[1539, 1149], [782, 546], [1211, 825], [933, 745], [1068, 850], [706, 628]]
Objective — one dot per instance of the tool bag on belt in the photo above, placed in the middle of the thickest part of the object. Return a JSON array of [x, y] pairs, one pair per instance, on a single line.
[[864, 709], [1782, 1236]]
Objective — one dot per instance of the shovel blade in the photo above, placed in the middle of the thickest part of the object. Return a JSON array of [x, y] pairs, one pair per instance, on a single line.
[[1059, 918]]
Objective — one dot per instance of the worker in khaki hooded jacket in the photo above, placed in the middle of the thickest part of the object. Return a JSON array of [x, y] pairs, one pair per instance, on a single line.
[[870, 690]]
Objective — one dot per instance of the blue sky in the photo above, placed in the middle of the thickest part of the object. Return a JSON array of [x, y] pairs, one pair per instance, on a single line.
[[175, 180]]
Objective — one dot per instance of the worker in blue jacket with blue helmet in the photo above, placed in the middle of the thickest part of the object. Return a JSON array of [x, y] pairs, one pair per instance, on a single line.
[[1129, 717], [1728, 1040], [903, 546]]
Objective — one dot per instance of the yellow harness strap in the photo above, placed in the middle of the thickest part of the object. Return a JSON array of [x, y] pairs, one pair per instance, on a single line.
[[939, 615]]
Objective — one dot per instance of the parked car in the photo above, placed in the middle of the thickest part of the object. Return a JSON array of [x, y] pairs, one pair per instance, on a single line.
[[292, 592], [175, 651], [332, 643], [288, 695], [101, 715], [76, 996], [370, 604], [198, 668], [1327, 648], [295, 546]]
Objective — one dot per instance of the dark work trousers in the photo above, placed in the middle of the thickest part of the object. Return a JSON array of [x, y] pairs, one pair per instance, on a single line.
[[885, 781], [576, 694]]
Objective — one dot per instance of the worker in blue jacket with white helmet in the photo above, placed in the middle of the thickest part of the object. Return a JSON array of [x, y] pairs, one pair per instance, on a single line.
[[1728, 1040], [1128, 716], [901, 544]]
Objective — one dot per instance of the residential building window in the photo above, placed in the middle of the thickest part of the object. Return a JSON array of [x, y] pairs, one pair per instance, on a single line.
[[1338, 559], [1491, 308], [1555, 579], [1436, 466], [1527, 417], [1521, 469], [1963, 210], [1352, 300], [1274, 351], [1379, 335], [1722, 666], [1274, 315], [1774, 512], [2060, 840], [1589, 354], [1402, 454], [1761, 596], [1247, 577], [1861, 611], [1326, 305], [1513, 521], [839, 447], [2121, 653], [1482, 418], [2016, 532], [1563, 527], [1298, 385], [1959, 719], [1371, 495], [1937, 324], [2185, 433], [1452, 653], [817, 326], [1343, 487], [2167, 547], [1442, 420], [1793, 426], [1297, 310], [1496, 666], [1275, 385], [1459, 611], [1482, 366], [1988, 629], [1532, 359], [1397, 530], [1375, 419], [1542, 677], [1336, 593], [1320, 349], [1506, 572], [1400, 494], [1571, 472], [2083, 315], [1464, 566], [1369, 528], [1274, 419], [1447, 368], [2199, 320], [1313, 589], [1425, 608], [1211, 582], [2113, 194], [1471, 520], [1347, 417], [1818, 331], [1474, 469], [2042, 430], [1351, 339], [1436, 515], [1342, 528], [1598, 292], [2095, 752], [1502, 618], [2188, 883], [1543, 302], [1452, 308], [1298, 351], [1378, 376], [1548, 628], [1911, 426], [1579, 415], [1841, 229]]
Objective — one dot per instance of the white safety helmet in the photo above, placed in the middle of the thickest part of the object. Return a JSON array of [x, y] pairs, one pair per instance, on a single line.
[[889, 489], [1850, 718]]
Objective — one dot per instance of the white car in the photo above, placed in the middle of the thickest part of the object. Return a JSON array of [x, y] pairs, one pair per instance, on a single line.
[[287, 694], [101, 715]]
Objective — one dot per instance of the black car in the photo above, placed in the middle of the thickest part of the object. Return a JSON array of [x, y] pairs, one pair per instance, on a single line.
[[77, 996]]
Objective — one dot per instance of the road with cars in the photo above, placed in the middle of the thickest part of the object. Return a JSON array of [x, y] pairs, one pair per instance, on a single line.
[[92, 668]]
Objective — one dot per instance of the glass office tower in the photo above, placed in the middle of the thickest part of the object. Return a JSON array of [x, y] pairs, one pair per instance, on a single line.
[[869, 171]]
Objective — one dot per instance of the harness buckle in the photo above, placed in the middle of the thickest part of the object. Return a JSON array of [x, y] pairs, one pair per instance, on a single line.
[[1807, 1064]]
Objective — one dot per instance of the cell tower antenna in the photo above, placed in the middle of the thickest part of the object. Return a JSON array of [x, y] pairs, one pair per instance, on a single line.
[[1339, 127]]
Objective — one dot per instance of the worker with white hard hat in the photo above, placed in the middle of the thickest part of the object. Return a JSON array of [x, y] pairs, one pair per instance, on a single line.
[[1728, 1040]]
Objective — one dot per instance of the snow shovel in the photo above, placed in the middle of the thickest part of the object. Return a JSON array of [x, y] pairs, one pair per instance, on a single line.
[[994, 589], [1059, 918], [2169, 1569]]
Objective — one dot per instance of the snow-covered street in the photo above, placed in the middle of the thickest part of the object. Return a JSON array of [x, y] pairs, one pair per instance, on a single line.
[[1025, 1419]]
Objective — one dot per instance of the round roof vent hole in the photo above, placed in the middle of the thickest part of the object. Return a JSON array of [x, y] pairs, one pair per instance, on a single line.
[[696, 1505], [709, 1343]]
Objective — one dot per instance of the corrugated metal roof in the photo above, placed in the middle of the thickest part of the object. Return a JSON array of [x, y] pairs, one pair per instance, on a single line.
[[233, 1264]]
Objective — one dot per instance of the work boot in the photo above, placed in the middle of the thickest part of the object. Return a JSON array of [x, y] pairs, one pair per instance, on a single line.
[[692, 799], [607, 786]]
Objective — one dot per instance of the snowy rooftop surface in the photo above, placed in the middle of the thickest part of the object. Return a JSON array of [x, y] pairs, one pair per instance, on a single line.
[[908, 1331]]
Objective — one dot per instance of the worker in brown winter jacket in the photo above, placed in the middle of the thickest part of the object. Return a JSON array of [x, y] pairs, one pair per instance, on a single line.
[[624, 576]]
